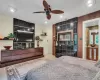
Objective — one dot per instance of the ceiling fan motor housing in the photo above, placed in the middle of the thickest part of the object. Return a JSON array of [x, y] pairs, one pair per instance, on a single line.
[[47, 12]]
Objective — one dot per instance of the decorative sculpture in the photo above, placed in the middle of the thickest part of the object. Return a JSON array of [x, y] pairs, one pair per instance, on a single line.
[[94, 34]]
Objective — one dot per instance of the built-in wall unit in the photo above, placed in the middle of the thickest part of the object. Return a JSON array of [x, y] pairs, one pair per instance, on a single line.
[[24, 34], [65, 38]]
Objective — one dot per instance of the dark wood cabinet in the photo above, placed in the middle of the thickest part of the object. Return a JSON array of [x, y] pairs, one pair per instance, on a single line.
[[92, 53], [10, 57]]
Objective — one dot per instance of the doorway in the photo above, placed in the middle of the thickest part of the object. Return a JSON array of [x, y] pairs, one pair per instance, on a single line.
[[91, 40]]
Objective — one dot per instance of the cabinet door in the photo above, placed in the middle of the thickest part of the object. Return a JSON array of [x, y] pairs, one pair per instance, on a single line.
[[89, 54], [92, 54], [95, 54]]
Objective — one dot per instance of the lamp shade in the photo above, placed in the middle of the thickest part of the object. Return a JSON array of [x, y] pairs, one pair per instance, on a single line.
[[37, 38]]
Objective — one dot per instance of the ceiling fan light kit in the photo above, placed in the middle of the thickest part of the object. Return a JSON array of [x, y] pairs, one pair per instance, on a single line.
[[48, 10]]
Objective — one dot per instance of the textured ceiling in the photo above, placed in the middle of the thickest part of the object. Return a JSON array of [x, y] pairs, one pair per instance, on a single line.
[[72, 8]]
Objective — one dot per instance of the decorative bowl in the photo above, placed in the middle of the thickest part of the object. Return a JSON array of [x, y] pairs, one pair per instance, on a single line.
[[7, 47], [93, 45]]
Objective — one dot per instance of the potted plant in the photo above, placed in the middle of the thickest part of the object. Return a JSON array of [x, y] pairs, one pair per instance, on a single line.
[[11, 36]]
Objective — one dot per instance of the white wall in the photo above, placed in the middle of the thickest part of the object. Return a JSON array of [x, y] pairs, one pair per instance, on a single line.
[[6, 27], [47, 40]]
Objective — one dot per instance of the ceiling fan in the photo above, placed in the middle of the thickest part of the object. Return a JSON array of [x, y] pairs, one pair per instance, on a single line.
[[48, 10]]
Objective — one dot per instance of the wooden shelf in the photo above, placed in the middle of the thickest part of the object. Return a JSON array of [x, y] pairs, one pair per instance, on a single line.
[[23, 42], [23, 27], [6, 40], [24, 32], [67, 31], [65, 40]]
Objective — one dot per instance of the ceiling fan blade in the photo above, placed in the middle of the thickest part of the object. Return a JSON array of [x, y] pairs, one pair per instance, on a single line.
[[45, 4], [57, 12], [39, 12], [49, 16]]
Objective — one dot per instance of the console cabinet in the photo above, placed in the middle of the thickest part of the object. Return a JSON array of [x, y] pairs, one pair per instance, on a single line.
[[10, 57]]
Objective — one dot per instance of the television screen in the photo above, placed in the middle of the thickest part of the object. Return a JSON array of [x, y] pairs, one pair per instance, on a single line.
[[24, 37]]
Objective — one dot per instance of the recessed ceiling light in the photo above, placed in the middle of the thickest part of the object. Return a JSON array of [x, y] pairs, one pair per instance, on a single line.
[[12, 9], [58, 27], [61, 16], [90, 3], [45, 22], [71, 24], [32, 27], [28, 29]]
